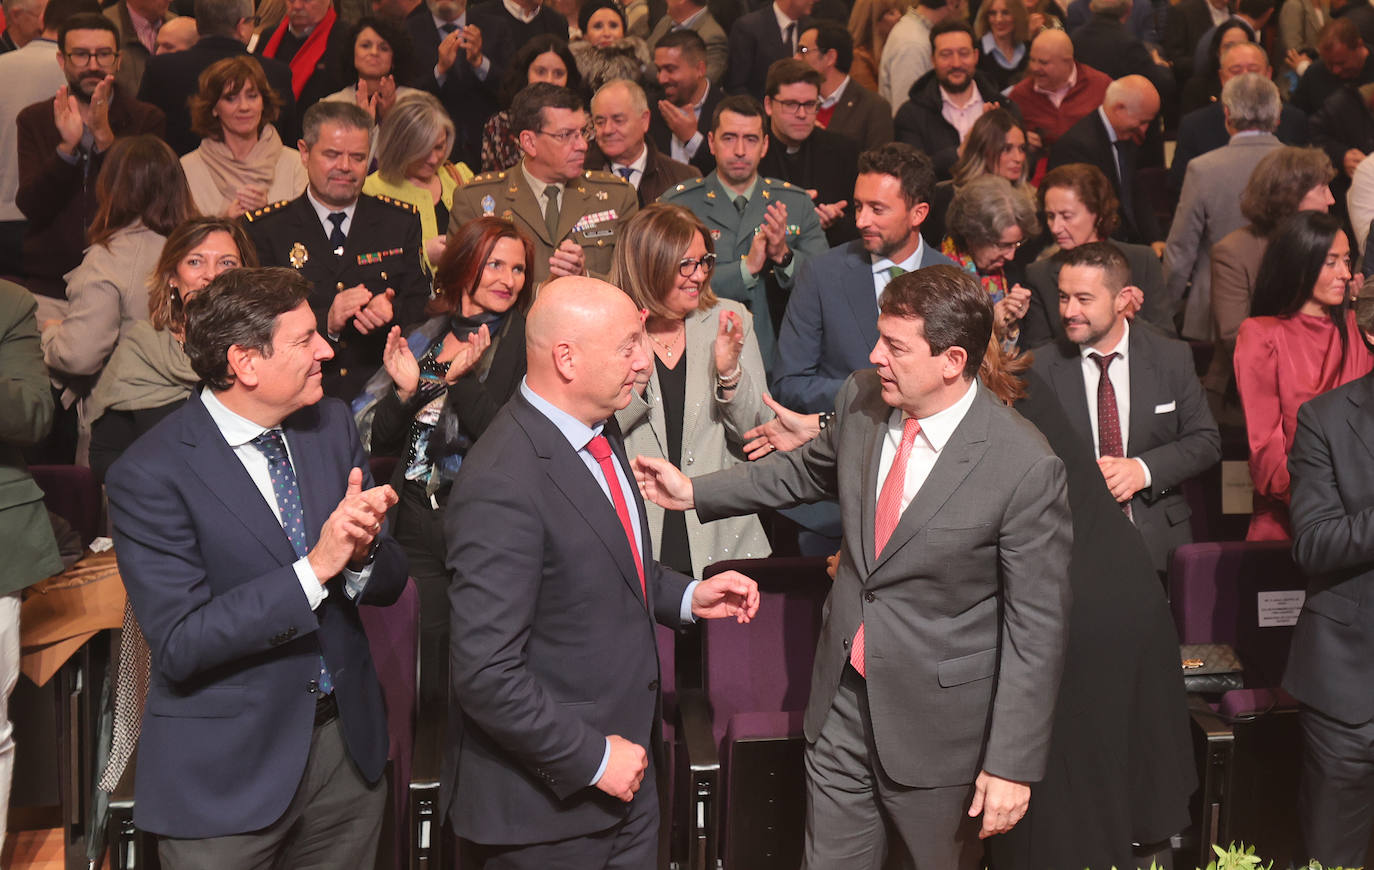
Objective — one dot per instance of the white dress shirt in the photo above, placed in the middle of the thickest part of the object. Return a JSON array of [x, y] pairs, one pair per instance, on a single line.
[[881, 277], [783, 23], [935, 434], [636, 167], [323, 212], [683, 152], [1120, 373]]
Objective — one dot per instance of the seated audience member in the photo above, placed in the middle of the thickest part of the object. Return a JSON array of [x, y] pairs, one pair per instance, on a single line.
[[212, 514], [176, 35], [1204, 88], [816, 160], [1250, 15], [1056, 93], [1299, 24], [1356, 12], [1144, 458], [375, 59], [1209, 207], [412, 167], [694, 15], [62, 144], [831, 323], [573, 216], [526, 20], [759, 39], [361, 254], [172, 80], [1184, 27], [870, 22], [1344, 128], [988, 220], [241, 164], [30, 74], [1300, 340], [681, 122], [995, 146], [1110, 139], [1105, 44], [620, 118], [138, 22], [770, 228], [1330, 510], [943, 104], [149, 375], [606, 51], [906, 54], [1003, 32], [1080, 209], [1288, 180], [143, 196], [1204, 130], [1342, 58], [543, 59], [440, 387], [846, 107], [312, 40], [460, 57], [706, 385], [23, 24]]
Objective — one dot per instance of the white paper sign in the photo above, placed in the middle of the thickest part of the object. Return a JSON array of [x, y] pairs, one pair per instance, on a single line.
[[1280, 608], [1237, 489]]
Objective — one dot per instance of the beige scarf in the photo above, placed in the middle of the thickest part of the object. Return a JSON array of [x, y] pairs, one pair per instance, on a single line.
[[230, 174]]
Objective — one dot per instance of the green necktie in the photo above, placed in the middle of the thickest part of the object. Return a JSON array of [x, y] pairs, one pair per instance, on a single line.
[[741, 203], [551, 210], [894, 271]]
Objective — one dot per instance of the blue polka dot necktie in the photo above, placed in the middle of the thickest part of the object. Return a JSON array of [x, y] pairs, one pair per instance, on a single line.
[[272, 446]]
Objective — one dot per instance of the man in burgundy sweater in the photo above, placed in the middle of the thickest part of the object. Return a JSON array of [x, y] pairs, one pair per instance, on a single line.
[[1056, 94]]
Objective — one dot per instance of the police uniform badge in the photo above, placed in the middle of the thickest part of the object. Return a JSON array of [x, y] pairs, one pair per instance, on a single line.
[[298, 255], [488, 205]]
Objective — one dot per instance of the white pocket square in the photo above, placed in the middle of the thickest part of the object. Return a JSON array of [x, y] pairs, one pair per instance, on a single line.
[[1164, 409]]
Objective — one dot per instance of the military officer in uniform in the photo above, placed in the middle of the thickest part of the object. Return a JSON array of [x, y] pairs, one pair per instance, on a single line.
[[361, 254], [763, 228], [573, 215]]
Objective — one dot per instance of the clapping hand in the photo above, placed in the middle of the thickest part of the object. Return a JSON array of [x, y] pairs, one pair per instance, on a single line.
[[775, 231], [464, 353], [401, 365], [347, 535], [729, 344], [66, 114], [375, 313], [345, 305]]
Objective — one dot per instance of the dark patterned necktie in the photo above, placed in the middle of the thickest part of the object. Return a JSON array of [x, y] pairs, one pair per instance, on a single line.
[[284, 488], [1108, 418]]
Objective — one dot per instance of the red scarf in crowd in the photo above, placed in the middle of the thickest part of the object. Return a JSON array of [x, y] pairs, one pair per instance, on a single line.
[[309, 54]]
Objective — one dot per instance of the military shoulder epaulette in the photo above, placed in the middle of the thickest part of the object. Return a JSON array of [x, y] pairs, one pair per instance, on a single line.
[[251, 216], [486, 178], [778, 182], [603, 176], [689, 184], [398, 203]]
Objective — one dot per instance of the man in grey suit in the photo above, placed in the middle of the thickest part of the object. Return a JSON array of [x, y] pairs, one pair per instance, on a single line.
[[1147, 418], [831, 322], [1209, 206], [952, 582], [694, 16]]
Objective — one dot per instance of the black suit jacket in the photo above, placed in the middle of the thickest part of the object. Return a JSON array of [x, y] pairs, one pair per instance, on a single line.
[[172, 79], [663, 137], [1183, 30], [382, 250], [328, 76], [553, 644], [1087, 142], [755, 42], [1171, 428], [470, 101], [1204, 130], [1332, 508], [1106, 45], [825, 162]]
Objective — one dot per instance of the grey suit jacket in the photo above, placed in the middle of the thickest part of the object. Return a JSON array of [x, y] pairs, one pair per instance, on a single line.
[[863, 116], [965, 609], [710, 31], [1208, 209], [1171, 427]]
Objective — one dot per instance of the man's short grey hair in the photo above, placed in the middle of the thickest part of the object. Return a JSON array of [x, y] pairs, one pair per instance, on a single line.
[[350, 115], [10, 6], [221, 17], [1252, 103], [639, 101], [1114, 8]]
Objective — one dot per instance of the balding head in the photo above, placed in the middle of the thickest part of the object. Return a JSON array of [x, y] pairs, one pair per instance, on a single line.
[[585, 349], [1051, 59], [178, 34], [1131, 104]]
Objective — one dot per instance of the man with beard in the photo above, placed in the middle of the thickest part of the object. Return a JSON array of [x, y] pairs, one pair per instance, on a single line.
[[361, 254], [832, 318], [62, 145], [682, 119], [769, 227], [944, 103]]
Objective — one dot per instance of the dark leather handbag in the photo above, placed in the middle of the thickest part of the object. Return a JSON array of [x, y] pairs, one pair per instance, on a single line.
[[1211, 668]]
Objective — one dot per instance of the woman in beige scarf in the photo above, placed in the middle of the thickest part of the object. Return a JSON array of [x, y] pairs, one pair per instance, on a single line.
[[241, 164]]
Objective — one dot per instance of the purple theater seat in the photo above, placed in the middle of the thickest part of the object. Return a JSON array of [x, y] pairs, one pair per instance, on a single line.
[[70, 491], [393, 638]]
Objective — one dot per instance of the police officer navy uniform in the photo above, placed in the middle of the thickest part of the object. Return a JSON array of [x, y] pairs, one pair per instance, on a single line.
[[592, 210], [382, 250], [732, 232]]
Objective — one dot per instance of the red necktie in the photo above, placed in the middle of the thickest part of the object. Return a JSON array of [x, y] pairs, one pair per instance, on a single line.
[[600, 449], [885, 519], [1108, 418]]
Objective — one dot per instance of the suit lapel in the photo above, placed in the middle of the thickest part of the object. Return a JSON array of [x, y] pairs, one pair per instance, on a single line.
[[1066, 374], [311, 231], [1360, 421], [1143, 392], [720, 211], [701, 326], [873, 448], [858, 291], [307, 462]]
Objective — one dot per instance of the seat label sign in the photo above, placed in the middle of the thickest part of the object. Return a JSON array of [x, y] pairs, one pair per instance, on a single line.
[[1280, 608]]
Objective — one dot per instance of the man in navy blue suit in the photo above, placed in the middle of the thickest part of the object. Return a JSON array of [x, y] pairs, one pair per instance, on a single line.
[[831, 322], [247, 536]]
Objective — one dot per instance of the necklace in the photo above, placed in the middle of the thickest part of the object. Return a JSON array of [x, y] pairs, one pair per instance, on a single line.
[[667, 348]]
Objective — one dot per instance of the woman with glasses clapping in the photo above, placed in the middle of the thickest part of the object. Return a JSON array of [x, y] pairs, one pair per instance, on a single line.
[[706, 387]]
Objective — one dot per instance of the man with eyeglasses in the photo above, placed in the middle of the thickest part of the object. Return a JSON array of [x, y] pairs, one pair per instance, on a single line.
[[62, 145], [818, 161], [573, 215], [620, 117], [944, 103]]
